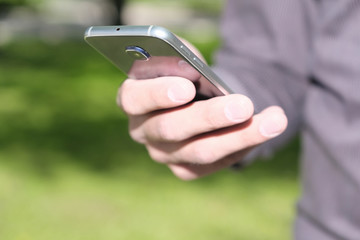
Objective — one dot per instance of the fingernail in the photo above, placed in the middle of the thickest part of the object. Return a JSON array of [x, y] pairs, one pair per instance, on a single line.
[[236, 112], [178, 93], [271, 126]]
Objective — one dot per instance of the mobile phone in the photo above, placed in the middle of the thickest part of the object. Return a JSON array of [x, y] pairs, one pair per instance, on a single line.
[[131, 48]]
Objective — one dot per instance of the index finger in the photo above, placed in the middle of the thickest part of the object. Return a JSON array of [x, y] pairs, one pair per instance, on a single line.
[[138, 97]]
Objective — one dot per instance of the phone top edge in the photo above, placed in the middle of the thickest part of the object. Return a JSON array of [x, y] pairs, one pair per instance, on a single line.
[[117, 30], [160, 32], [128, 30], [87, 32]]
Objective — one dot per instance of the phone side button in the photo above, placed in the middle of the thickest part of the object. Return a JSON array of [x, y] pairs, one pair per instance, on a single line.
[[185, 50], [198, 62]]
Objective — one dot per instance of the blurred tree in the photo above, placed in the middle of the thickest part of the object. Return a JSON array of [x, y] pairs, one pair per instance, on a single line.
[[118, 4], [7, 5]]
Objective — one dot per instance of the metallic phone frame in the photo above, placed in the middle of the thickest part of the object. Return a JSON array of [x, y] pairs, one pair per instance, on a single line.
[[164, 35]]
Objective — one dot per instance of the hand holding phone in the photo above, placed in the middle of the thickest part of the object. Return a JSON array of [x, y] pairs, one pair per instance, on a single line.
[[193, 138]]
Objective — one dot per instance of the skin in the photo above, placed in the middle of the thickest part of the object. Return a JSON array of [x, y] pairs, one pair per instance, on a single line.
[[198, 138]]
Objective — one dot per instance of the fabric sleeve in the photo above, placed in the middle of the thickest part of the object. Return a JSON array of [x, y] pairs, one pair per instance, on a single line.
[[266, 55]]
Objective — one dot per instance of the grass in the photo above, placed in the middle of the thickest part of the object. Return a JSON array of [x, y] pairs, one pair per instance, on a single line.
[[68, 169]]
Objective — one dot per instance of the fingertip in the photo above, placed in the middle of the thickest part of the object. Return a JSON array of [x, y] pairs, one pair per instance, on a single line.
[[182, 91], [274, 123], [239, 108]]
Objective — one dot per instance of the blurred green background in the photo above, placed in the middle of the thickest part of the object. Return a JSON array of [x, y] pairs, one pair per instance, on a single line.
[[68, 169]]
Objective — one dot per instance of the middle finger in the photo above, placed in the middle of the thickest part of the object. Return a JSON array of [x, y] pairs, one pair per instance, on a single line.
[[181, 123]]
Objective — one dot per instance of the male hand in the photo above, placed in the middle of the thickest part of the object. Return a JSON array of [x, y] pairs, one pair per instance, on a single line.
[[193, 138]]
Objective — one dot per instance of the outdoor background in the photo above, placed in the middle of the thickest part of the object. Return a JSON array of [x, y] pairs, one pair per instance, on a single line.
[[68, 169]]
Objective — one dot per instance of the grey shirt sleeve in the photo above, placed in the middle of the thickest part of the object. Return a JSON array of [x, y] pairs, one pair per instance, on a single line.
[[265, 55]]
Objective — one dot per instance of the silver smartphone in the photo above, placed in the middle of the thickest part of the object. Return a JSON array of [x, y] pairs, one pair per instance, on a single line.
[[135, 48]]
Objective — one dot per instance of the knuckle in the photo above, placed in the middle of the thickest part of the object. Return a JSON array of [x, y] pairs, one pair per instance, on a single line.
[[156, 155], [127, 107], [202, 155], [137, 137], [124, 99], [165, 131], [136, 128], [156, 97], [184, 173], [118, 97], [212, 120], [186, 176], [211, 115], [249, 140]]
